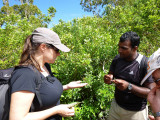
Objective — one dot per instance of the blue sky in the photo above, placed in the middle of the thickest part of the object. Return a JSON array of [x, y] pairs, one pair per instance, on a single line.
[[66, 9]]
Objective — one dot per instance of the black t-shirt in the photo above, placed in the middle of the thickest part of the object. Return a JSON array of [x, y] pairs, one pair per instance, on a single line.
[[129, 71], [50, 89]]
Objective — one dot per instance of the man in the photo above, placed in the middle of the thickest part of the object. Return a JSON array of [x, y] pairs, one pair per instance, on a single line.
[[130, 97], [154, 94]]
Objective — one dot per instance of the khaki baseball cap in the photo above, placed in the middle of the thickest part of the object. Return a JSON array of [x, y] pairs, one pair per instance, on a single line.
[[153, 64], [45, 35]]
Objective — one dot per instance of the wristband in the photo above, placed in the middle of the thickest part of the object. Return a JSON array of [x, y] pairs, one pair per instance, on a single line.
[[156, 114]]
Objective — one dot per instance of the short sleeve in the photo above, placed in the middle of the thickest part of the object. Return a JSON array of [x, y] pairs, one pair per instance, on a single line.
[[113, 64], [23, 79]]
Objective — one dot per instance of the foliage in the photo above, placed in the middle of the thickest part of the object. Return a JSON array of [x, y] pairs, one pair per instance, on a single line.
[[17, 22], [143, 17], [93, 42], [97, 6], [27, 10], [12, 38]]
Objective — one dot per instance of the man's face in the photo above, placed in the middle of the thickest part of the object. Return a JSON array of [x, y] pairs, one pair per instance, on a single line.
[[125, 50], [156, 76]]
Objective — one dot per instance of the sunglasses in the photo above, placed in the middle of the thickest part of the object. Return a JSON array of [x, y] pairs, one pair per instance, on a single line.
[[53, 47], [56, 49], [157, 80]]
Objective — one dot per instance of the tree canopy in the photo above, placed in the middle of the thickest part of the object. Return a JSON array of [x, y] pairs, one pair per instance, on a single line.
[[93, 43], [26, 11]]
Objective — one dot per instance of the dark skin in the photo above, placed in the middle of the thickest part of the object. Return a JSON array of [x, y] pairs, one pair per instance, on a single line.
[[128, 53]]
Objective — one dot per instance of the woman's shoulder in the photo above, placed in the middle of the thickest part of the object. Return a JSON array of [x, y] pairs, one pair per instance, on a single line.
[[23, 78], [23, 71]]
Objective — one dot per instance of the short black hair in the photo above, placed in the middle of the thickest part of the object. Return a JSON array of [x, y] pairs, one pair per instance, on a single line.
[[132, 36]]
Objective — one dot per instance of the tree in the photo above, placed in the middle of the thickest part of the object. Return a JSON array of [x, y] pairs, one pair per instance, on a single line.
[[98, 6], [92, 41], [94, 5], [5, 2], [26, 10], [6, 9], [26, 1]]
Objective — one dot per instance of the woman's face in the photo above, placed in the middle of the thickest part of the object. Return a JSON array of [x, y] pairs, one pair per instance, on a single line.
[[156, 76], [50, 54]]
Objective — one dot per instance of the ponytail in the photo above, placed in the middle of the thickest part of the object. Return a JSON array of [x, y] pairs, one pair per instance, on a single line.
[[27, 56]]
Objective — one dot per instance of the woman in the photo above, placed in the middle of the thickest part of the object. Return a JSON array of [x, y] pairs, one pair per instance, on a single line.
[[41, 47]]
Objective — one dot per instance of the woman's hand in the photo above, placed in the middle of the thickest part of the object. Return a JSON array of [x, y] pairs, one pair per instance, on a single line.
[[74, 84], [64, 110]]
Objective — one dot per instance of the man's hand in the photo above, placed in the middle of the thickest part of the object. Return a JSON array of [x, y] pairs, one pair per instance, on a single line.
[[108, 78], [121, 84]]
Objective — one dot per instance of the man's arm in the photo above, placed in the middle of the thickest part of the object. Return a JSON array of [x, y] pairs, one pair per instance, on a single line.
[[142, 91], [139, 91]]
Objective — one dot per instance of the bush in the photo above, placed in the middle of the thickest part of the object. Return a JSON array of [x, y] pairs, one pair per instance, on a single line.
[[93, 43]]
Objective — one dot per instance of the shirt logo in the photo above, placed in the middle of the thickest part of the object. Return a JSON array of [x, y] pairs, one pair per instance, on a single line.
[[6, 75], [131, 72]]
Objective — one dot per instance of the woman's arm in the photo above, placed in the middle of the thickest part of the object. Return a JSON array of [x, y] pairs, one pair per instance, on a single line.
[[74, 84], [20, 105]]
